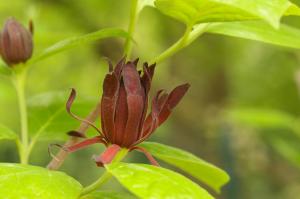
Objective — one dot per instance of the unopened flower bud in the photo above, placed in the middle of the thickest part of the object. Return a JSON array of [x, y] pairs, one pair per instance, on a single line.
[[16, 44]]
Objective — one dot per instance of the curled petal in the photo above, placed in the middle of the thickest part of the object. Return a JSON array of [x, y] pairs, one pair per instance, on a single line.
[[68, 107], [147, 154]]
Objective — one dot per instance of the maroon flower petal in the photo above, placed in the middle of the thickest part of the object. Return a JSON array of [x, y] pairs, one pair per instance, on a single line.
[[146, 83], [135, 110], [147, 76], [151, 121], [108, 104], [85, 143], [173, 99], [146, 79], [162, 106], [151, 69], [121, 116], [108, 155], [135, 102], [119, 68], [135, 62]]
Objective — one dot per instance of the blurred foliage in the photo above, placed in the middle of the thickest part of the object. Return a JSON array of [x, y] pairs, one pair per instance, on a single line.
[[228, 75]]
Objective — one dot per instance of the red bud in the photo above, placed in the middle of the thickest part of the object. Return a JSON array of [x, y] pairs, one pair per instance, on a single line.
[[16, 43]]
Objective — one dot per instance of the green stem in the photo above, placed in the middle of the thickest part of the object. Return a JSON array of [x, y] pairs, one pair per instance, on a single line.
[[19, 82], [106, 175], [104, 178], [188, 37], [131, 28], [20, 149]]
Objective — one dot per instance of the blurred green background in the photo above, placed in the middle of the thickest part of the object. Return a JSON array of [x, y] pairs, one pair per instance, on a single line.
[[241, 113]]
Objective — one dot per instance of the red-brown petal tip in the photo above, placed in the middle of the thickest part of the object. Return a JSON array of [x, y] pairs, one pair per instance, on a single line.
[[31, 27], [119, 67], [110, 85], [76, 134], [135, 62], [71, 100], [110, 65], [132, 80], [177, 94]]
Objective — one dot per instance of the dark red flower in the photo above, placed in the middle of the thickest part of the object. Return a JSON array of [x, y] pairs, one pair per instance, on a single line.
[[124, 106], [16, 43]]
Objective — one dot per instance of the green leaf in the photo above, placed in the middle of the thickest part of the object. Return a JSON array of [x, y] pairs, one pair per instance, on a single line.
[[48, 119], [6, 133], [77, 41], [293, 10], [204, 171], [147, 181], [108, 195], [192, 12], [259, 31], [21, 181]]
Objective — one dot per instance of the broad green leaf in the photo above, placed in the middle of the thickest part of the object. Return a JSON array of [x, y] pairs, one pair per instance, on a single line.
[[293, 10], [108, 195], [147, 181], [6, 133], [259, 31], [192, 12], [77, 41], [263, 118], [48, 119], [200, 169], [31, 182]]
